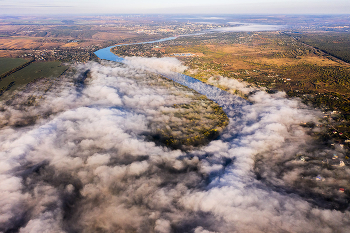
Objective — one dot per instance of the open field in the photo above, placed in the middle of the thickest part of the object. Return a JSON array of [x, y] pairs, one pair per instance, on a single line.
[[38, 70], [11, 53], [193, 123], [19, 43], [336, 44], [31, 73], [7, 64]]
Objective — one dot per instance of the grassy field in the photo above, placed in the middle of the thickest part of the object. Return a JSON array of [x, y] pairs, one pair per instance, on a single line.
[[192, 123], [7, 64], [336, 44], [38, 70], [31, 73]]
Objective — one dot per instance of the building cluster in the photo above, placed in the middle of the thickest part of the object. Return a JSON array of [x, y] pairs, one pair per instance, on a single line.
[[182, 54], [165, 29], [66, 55]]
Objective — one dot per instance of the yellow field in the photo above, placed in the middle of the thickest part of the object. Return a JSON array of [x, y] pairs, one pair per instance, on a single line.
[[69, 45], [19, 43], [9, 53], [238, 56]]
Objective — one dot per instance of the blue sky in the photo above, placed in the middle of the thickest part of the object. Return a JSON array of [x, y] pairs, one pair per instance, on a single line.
[[11, 7]]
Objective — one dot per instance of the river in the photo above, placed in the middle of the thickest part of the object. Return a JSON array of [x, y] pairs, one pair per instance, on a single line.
[[230, 103]]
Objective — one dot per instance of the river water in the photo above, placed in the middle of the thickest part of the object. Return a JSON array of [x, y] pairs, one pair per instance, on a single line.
[[230, 103]]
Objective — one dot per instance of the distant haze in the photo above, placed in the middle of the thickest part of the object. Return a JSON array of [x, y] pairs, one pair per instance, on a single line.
[[35, 7]]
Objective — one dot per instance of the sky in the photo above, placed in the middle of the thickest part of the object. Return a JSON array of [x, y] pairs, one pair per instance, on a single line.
[[44, 7]]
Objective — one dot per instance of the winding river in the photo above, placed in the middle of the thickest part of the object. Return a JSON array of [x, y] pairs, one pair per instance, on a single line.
[[231, 104]]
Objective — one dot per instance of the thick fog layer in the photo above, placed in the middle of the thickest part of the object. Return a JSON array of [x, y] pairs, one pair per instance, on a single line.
[[83, 164]]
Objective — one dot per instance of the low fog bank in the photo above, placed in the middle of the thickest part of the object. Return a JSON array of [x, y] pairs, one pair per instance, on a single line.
[[160, 65], [83, 164], [289, 153]]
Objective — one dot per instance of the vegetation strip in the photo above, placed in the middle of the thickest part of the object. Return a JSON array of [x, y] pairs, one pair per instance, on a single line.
[[3, 89], [16, 69]]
